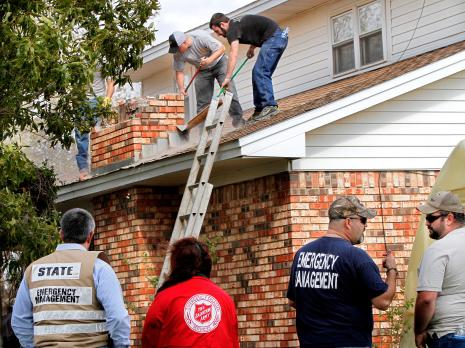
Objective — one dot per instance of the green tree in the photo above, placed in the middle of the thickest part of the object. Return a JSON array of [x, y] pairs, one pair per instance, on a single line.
[[50, 50], [28, 220]]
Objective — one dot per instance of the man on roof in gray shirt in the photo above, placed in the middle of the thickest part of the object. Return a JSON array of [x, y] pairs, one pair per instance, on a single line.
[[203, 51]]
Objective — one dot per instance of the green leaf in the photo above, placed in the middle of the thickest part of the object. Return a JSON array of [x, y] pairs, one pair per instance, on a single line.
[[50, 50], [28, 220]]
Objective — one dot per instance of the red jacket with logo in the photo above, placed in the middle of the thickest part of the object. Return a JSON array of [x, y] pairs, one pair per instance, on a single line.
[[194, 313]]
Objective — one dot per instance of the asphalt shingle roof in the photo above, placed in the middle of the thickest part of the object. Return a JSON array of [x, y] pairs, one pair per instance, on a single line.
[[302, 102]]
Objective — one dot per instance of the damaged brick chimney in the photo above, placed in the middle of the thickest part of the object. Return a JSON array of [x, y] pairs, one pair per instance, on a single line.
[[141, 123]]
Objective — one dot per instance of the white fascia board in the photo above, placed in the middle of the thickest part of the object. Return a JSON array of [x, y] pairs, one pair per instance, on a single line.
[[123, 177], [133, 174], [258, 142], [155, 52]]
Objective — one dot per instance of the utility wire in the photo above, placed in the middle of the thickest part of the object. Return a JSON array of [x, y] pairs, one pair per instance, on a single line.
[[381, 199]]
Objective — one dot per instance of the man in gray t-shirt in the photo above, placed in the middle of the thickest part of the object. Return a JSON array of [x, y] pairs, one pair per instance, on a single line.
[[101, 87], [203, 51], [440, 304]]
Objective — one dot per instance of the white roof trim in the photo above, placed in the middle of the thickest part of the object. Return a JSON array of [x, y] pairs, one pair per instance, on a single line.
[[123, 177], [262, 142], [137, 173]]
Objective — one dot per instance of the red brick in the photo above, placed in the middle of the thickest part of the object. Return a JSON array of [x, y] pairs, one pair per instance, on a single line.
[[257, 227], [111, 144]]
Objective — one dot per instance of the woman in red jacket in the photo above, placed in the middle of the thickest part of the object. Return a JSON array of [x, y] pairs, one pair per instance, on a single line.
[[189, 310]]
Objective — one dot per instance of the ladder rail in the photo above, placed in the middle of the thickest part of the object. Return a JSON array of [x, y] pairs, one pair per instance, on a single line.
[[195, 223], [202, 144], [188, 194], [215, 142], [197, 191], [213, 149]]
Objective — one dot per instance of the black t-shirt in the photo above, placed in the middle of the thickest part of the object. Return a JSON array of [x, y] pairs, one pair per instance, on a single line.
[[332, 284], [251, 30]]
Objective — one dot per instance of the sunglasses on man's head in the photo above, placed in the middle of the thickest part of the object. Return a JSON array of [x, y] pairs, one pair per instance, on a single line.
[[432, 218]]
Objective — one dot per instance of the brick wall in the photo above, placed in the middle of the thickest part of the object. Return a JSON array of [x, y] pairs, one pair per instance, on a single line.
[[133, 228], [394, 227], [260, 224], [121, 143], [252, 224], [256, 227]]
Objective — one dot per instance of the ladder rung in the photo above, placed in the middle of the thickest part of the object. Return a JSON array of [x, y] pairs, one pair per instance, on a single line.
[[184, 216], [205, 155], [196, 185], [213, 125], [193, 186], [187, 215]]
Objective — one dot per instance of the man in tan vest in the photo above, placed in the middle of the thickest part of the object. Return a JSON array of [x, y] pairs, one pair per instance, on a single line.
[[72, 297]]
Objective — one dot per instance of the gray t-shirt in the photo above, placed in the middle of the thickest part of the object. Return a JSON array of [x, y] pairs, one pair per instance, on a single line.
[[203, 45], [99, 87], [442, 269]]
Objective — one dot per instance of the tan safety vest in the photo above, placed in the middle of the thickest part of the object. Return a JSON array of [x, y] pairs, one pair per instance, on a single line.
[[66, 311]]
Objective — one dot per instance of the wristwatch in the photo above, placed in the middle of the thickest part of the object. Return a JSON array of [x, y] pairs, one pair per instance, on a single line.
[[392, 269]]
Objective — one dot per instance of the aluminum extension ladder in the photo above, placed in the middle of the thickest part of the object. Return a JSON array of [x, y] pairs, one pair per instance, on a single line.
[[198, 190]]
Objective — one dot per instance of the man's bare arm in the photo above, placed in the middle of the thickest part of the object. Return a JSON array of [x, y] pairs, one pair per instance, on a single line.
[[231, 62], [180, 82], [384, 300], [214, 56], [424, 311]]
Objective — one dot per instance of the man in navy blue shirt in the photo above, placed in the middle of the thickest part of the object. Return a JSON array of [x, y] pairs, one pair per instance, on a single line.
[[333, 284]]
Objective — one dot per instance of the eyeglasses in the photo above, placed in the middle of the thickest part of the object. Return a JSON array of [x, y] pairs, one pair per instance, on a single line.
[[362, 219], [432, 218]]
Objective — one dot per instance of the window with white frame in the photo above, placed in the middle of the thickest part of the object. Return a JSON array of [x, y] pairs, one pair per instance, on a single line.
[[357, 37]]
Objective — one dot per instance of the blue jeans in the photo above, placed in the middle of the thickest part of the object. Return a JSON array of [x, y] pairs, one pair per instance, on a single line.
[[267, 60], [82, 144], [446, 341]]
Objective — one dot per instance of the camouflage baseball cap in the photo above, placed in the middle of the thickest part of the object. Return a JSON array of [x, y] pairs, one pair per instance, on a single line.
[[346, 206], [442, 200]]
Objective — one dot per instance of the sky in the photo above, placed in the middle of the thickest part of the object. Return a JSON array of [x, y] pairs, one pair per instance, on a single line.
[[183, 15]]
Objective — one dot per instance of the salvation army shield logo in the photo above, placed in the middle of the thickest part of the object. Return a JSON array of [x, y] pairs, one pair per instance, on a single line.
[[202, 313]]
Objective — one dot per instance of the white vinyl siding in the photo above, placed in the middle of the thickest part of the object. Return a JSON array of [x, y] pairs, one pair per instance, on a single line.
[[307, 61], [442, 22], [416, 130], [162, 82], [304, 64]]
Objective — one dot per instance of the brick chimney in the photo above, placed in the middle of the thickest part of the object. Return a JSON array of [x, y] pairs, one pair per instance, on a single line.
[[144, 122]]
